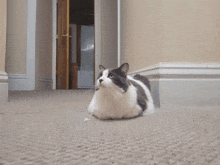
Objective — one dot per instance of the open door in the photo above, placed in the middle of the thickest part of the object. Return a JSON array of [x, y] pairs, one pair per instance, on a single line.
[[62, 67]]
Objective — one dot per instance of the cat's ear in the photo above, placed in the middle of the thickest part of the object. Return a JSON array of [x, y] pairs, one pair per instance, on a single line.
[[101, 67], [124, 68]]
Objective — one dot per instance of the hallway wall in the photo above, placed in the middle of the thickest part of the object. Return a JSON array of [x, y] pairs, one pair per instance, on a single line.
[[169, 31], [105, 34], [3, 74], [176, 44], [43, 49], [16, 36], [3, 16]]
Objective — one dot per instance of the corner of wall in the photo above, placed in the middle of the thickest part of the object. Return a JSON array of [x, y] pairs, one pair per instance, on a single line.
[[3, 87]]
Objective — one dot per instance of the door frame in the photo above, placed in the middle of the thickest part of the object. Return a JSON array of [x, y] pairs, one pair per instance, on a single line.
[[54, 45], [119, 31], [97, 38], [54, 42]]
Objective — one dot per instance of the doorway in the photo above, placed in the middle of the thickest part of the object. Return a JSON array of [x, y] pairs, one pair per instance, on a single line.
[[75, 44]]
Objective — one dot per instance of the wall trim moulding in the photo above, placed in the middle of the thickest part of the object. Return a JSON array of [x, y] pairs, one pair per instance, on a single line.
[[3, 87], [183, 84], [17, 76], [50, 80], [45, 83], [175, 70], [3, 77], [17, 82]]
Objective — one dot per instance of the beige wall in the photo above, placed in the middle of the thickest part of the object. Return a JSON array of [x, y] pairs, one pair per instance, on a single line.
[[105, 34], [140, 34], [169, 31], [109, 33], [16, 36], [44, 36], [3, 16]]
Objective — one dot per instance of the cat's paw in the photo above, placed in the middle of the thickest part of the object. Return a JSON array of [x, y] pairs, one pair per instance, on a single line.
[[90, 108], [90, 111], [150, 111], [150, 108]]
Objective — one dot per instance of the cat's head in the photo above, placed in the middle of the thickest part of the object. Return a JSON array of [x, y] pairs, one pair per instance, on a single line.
[[113, 78]]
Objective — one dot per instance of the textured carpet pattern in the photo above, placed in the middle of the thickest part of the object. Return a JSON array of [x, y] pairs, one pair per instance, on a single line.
[[48, 127]]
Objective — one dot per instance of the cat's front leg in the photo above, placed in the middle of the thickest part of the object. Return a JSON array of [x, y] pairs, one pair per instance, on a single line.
[[93, 104], [91, 107], [150, 108]]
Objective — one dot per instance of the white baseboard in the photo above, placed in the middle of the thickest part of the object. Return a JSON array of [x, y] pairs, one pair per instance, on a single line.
[[45, 84], [183, 84], [170, 70], [21, 82], [18, 82], [3, 87]]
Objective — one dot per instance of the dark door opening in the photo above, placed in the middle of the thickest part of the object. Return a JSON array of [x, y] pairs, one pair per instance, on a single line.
[[81, 50], [75, 44]]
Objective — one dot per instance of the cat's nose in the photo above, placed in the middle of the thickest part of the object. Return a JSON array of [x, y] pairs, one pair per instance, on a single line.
[[100, 80]]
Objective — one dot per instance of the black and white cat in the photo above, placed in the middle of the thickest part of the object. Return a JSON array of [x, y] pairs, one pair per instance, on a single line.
[[120, 96]]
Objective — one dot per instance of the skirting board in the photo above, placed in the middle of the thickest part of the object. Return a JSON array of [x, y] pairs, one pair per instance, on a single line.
[[183, 84], [3, 87], [44, 84], [21, 82], [18, 82]]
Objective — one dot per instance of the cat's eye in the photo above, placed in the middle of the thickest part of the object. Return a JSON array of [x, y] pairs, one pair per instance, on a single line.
[[110, 75]]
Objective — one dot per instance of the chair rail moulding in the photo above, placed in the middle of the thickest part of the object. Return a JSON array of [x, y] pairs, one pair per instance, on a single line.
[[183, 84]]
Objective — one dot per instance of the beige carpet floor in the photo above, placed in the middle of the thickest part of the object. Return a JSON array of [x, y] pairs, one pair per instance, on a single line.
[[48, 127]]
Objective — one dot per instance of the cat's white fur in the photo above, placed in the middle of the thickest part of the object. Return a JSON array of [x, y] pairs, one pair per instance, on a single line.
[[110, 101]]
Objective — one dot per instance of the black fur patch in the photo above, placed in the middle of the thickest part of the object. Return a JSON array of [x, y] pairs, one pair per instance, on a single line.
[[119, 79], [141, 96], [143, 79]]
